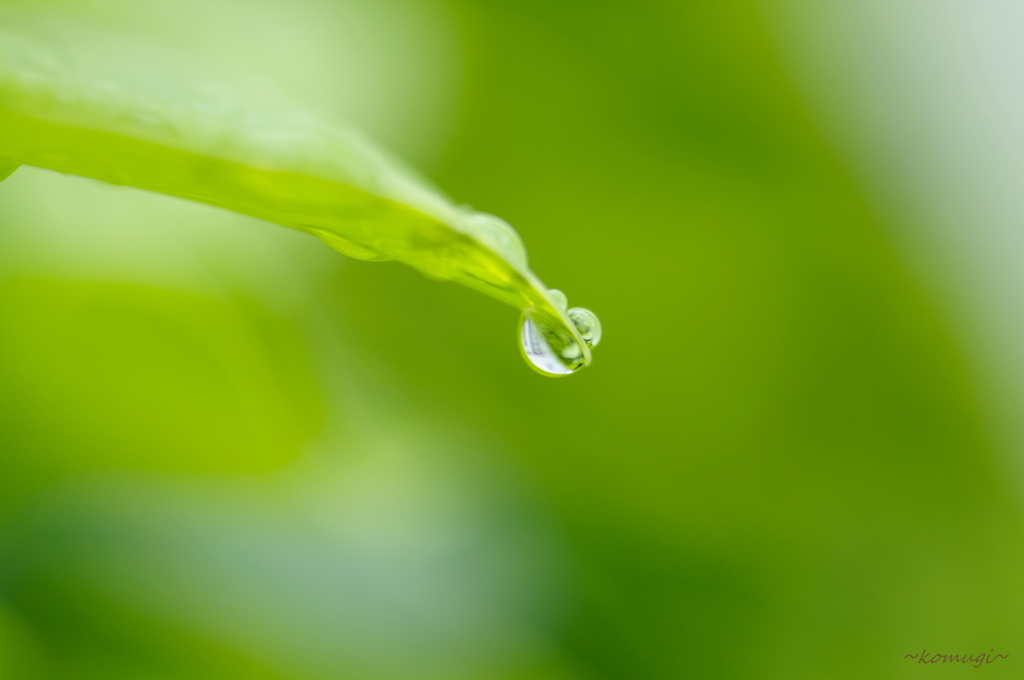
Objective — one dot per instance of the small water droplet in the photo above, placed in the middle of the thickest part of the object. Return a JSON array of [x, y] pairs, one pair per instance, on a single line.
[[550, 351], [587, 324], [558, 297], [496, 234]]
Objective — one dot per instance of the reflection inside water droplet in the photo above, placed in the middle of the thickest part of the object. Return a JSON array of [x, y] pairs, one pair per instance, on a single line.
[[536, 339], [554, 352]]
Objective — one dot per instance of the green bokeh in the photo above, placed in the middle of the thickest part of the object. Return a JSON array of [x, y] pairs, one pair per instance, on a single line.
[[229, 453]]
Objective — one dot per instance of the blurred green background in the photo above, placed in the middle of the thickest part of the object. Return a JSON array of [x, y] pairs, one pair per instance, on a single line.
[[227, 452]]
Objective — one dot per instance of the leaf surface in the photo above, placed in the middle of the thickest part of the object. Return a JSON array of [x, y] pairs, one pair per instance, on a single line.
[[288, 168]]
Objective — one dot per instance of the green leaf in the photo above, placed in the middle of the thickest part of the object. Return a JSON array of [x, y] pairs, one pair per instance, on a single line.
[[283, 167], [6, 168]]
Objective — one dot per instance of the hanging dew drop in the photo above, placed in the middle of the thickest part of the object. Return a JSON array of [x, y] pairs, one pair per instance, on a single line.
[[553, 352], [536, 340]]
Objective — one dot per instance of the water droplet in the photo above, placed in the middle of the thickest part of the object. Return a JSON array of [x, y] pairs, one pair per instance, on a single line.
[[587, 324], [496, 234], [558, 297], [550, 351]]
